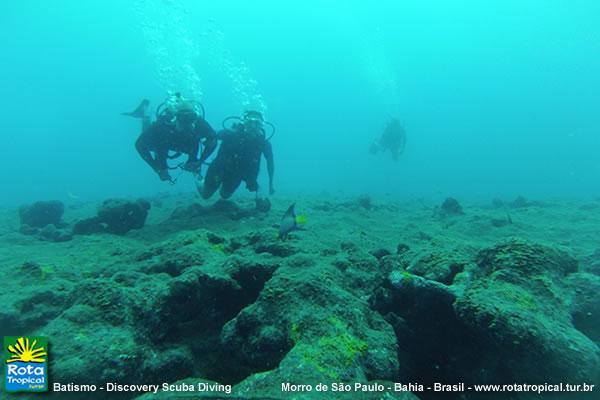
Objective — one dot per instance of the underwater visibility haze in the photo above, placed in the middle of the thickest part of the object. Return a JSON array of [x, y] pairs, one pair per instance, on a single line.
[[391, 195], [497, 98]]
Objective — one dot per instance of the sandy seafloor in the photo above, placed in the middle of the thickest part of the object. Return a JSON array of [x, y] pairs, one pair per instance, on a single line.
[[219, 298]]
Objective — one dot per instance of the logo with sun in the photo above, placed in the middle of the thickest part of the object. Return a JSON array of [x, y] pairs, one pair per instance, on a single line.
[[25, 364], [25, 351]]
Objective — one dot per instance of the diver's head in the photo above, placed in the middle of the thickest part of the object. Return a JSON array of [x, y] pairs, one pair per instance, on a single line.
[[185, 120], [394, 123], [253, 122], [184, 111]]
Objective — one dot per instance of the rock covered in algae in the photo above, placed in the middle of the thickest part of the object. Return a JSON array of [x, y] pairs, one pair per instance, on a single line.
[[518, 303], [42, 213]]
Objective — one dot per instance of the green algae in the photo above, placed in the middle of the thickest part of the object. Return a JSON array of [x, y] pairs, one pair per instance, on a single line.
[[218, 248], [407, 277], [518, 297], [334, 348], [333, 353]]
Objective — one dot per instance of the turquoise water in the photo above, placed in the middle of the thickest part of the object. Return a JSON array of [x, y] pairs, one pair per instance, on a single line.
[[473, 259], [497, 98]]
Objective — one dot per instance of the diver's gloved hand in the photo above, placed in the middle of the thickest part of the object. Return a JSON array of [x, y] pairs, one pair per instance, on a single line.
[[192, 166], [163, 174]]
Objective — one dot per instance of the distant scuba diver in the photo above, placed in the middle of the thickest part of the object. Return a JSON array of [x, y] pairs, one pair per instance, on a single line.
[[239, 157], [393, 139], [180, 127]]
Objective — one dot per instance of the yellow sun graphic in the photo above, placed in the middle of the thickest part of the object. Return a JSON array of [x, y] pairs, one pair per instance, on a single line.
[[22, 351]]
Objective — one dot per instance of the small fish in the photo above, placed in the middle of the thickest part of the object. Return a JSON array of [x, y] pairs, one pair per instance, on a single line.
[[140, 111], [290, 222]]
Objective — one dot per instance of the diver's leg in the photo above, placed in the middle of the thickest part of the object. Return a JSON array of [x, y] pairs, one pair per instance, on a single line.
[[230, 184], [211, 182], [160, 156], [145, 123], [144, 147], [162, 168], [252, 185]]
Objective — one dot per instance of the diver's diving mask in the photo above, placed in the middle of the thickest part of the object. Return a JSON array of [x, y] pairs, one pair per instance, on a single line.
[[177, 108], [253, 122], [186, 117]]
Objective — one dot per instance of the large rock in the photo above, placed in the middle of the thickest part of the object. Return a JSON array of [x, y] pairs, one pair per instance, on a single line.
[[121, 216], [451, 206], [585, 306], [89, 226], [105, 344], [518, 305], [95, 353], [115, 216], [437, 265], [42, 297], [591, 263], [48, 233], [53, 234], [519, 313], [313, 328], [419, 310], [197, 304], [42, 213]]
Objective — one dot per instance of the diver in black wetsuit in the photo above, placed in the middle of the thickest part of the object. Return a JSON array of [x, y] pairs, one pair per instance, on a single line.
[[393, 139], [179, 127], [239, 158]]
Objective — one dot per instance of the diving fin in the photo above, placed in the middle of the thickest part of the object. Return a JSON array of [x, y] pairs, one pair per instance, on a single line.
[[140, 111]]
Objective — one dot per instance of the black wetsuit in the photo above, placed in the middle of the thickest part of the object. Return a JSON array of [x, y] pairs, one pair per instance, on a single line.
[[393, 138], [238, 160], [161, 137]]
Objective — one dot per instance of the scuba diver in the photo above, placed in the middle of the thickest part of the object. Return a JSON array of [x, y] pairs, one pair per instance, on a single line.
[[180, 127], [239, 157], [393, 139]]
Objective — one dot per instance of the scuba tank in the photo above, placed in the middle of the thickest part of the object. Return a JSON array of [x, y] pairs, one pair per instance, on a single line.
[[248, 115], [166, 112], [169, 107]]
